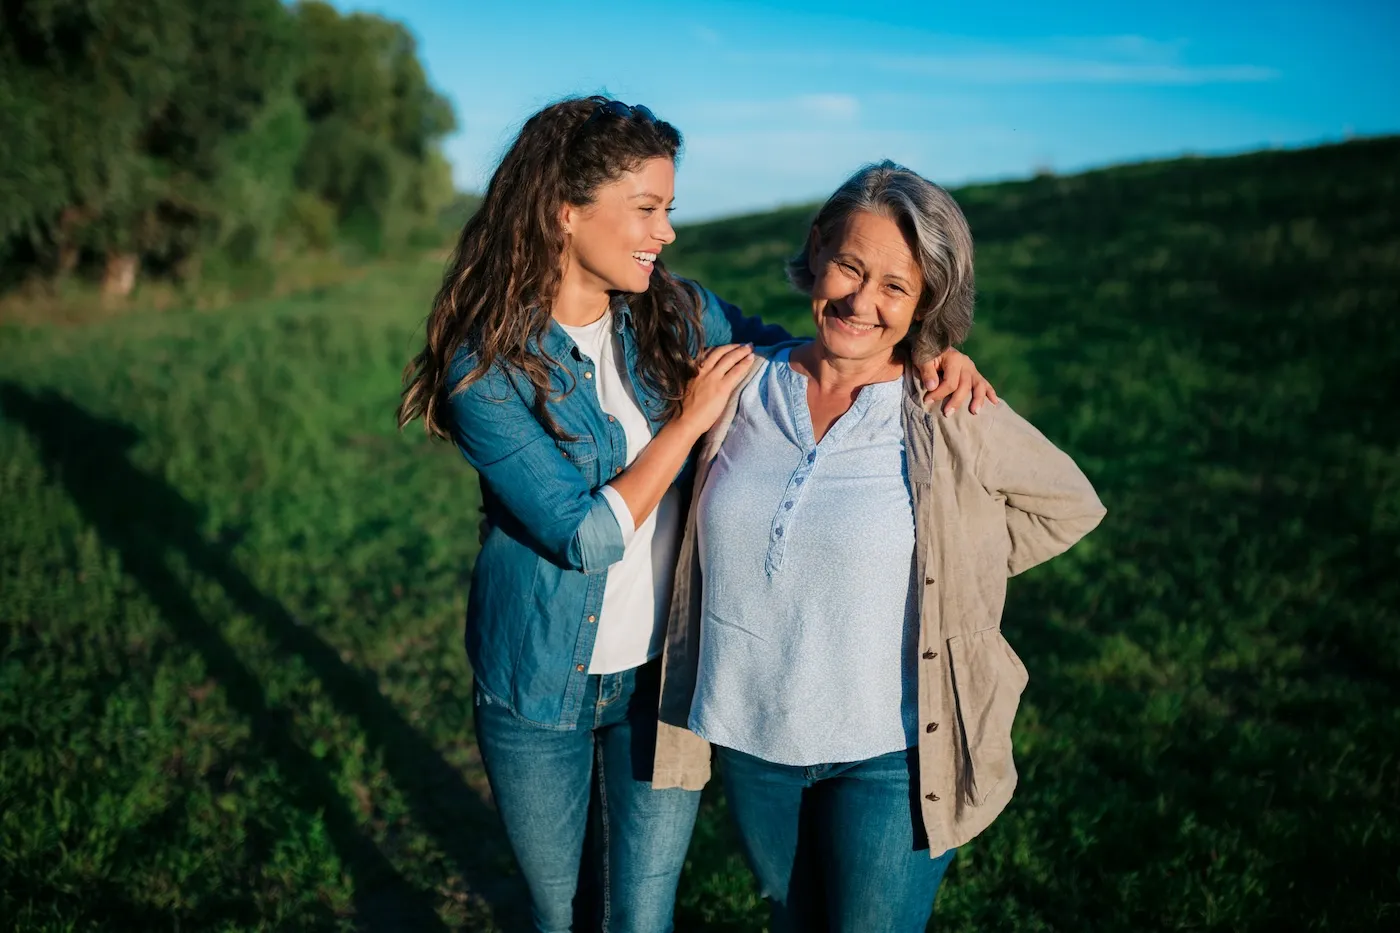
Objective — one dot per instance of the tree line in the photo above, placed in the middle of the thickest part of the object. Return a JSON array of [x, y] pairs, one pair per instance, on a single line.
[[172, 137]]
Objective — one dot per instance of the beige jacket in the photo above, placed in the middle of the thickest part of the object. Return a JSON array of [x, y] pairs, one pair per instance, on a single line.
[[989, 491]]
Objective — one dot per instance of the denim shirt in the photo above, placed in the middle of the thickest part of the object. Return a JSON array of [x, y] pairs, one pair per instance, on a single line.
[[537, 585]]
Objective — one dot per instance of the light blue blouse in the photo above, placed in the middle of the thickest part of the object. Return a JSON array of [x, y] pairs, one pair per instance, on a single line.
[[807, 558]]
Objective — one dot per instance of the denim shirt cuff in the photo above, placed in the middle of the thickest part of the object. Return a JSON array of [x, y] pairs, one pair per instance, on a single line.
[[622, 513], [598, 542]]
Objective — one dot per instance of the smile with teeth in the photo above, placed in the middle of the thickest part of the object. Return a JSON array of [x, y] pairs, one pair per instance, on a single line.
[[853, 327], [645, 259]]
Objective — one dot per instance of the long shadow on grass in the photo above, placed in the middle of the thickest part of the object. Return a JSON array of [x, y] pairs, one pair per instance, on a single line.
[[144, 520]]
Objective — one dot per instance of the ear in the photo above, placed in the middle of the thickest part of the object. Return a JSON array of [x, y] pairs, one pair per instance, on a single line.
[[815, 239], [567, 213]]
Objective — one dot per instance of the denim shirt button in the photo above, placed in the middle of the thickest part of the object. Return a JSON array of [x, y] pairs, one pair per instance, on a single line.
[[579, 668]]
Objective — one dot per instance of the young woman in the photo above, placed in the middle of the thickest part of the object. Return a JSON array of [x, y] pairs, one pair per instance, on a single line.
[[838, 602], [571, 370]]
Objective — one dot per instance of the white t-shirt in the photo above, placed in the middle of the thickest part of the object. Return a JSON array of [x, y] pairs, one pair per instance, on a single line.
[[637, 598]]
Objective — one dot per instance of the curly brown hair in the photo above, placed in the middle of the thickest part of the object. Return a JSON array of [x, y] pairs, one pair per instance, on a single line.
[[500, 284]]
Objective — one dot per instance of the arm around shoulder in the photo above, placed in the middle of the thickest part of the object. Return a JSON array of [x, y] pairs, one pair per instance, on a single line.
[[724, 323], [1050, 503]]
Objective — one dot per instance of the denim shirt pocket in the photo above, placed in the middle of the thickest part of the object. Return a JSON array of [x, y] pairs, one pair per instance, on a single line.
[[582, 453]]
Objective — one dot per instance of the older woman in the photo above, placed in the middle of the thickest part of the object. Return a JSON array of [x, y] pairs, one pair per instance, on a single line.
[[835, 629]]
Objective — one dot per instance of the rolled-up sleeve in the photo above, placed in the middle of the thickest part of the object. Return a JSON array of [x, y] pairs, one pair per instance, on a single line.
[[574, 525], [622, 513]]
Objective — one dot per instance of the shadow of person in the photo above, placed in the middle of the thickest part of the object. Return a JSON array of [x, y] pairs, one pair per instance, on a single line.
[[146, 522]]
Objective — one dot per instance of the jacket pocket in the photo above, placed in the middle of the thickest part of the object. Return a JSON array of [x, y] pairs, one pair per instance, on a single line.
[[988, 680]]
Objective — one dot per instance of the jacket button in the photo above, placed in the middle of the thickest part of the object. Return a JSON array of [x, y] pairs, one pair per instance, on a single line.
[[930, 654], [579, 668], [588, 375], [611, 419], [928, 581], [931, 727], [617, 471], [592, 618], [933, 797]]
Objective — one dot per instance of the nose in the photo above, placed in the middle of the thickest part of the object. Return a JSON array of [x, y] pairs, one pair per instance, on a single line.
[[862, 299], [665, 232]]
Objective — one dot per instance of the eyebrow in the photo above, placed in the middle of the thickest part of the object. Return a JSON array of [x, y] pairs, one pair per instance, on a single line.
[[891, 277], [648, 194]]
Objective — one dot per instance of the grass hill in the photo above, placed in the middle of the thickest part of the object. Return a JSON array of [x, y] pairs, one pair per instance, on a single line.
[[232, 690]]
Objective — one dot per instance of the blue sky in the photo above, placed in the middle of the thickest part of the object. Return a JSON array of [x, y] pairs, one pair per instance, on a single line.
[[780, 101]]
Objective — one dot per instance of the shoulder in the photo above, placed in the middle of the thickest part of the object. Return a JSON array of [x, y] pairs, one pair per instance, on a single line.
[[962, 435], [780, 349], [497, 383]]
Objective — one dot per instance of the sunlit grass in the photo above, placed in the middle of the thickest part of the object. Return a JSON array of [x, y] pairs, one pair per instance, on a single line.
[[232, 689]]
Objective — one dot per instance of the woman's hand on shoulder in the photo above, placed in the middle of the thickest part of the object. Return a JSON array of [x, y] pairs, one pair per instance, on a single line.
[[721, 370], [952, 377]]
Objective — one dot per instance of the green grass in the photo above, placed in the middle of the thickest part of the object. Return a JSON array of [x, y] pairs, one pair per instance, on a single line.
[[232, 689]]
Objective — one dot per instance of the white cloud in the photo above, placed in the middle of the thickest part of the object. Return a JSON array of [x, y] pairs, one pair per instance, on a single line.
[[1020, 68], [832, 106], [1127, 59], [843, 108], [705, 34]]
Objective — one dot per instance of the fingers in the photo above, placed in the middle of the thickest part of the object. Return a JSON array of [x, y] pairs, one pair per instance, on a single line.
[[736, 373], [960, 396], [724, 358], [936, 385]]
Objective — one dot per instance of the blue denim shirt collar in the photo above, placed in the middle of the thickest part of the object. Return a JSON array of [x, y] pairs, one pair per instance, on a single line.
[[557, 344]]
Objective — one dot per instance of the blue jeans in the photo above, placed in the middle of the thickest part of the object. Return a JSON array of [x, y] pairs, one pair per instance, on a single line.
[[836, 847], [556, 788]]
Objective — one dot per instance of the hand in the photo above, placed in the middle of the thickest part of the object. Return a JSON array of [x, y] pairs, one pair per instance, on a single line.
[[721, 371], [959, 379]]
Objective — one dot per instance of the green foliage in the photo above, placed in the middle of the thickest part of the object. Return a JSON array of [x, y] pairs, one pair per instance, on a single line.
[[374, 121], [174, 132], [232, 689], [135, 110]]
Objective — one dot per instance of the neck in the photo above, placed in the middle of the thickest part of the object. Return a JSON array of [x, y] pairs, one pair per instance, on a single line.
[[582, 298], [835, 376]]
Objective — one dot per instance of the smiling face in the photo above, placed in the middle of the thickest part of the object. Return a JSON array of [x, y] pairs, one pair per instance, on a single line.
[[613, 242], [866, 289]]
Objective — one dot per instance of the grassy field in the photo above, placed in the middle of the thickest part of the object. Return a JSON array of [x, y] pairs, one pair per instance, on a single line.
[[232, 690]]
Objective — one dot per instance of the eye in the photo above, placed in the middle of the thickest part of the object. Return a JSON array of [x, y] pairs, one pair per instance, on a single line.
[[847, 268], [670, 210], [895, 288]]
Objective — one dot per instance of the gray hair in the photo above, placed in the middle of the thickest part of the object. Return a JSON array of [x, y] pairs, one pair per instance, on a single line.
[[937, 231]]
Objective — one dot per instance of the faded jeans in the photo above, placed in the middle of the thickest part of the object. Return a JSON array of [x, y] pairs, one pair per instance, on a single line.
[[557, 788], [836, 847]]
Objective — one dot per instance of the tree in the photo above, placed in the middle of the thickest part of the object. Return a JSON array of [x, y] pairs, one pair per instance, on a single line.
[[375, 126], [127, 120]]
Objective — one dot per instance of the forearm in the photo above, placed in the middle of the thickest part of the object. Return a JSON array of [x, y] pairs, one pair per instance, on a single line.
[[642, 484]]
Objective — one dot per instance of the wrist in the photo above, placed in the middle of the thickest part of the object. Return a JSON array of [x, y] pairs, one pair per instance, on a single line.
[[688, 427]]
